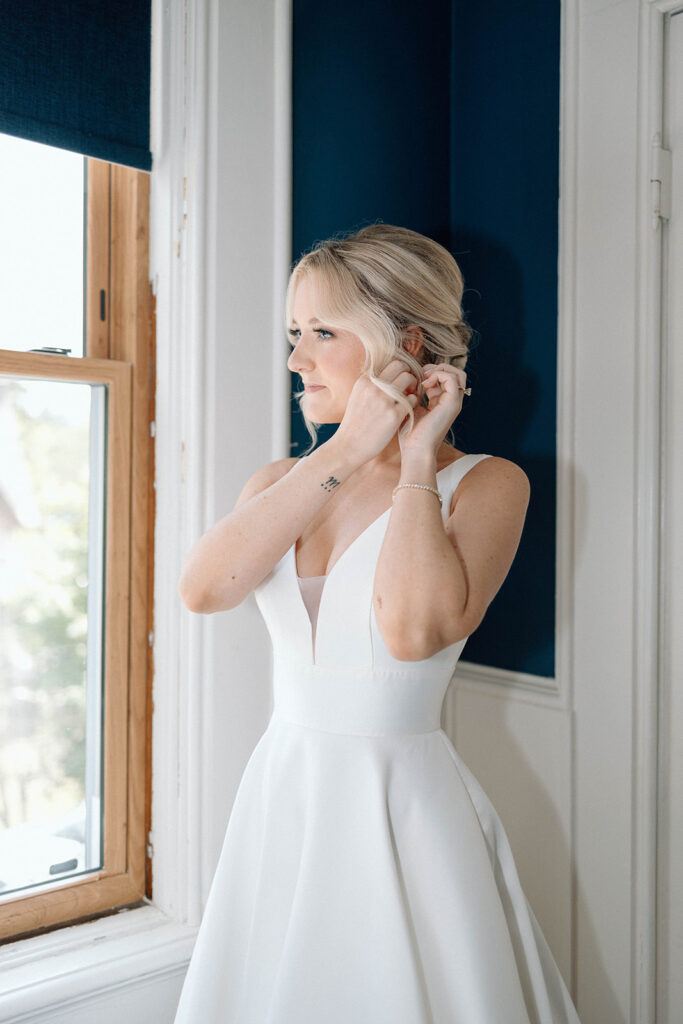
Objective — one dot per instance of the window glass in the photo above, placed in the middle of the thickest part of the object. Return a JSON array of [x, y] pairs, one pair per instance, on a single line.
[[52, 527], [42, 251]]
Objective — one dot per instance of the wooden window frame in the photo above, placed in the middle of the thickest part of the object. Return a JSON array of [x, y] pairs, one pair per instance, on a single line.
[[120, 353]]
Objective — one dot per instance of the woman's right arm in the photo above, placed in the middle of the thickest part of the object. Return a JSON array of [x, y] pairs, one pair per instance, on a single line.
[[276, 505], [272, 511]]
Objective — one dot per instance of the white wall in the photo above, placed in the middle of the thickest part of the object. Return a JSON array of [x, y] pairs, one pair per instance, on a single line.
[[240, 398]]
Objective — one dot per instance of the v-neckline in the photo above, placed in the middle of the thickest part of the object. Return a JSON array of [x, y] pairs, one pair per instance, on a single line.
[[374, 522]]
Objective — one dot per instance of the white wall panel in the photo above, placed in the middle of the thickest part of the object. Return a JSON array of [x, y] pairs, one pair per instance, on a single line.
[[241, 399], [605, 425], [520, 753]]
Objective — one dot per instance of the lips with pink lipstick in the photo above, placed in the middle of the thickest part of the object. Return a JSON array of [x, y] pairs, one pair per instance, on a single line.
[[310, 388]]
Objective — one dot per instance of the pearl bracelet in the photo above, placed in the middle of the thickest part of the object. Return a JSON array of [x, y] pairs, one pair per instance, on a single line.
[[422, 487]]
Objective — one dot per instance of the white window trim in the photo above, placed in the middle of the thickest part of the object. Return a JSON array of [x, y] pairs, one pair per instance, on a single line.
[[66, 967]]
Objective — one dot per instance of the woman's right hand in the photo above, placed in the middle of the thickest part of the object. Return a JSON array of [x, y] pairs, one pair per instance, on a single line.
[[372, 418]]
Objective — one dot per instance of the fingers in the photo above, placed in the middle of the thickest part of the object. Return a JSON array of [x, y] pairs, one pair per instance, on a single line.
[[431, 369], [412, 398], [444, 376], [437, 378], [405, 380], [396, 372], [392, 368]]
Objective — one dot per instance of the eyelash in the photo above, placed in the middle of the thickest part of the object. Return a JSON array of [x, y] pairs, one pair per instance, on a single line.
[[317, 330]]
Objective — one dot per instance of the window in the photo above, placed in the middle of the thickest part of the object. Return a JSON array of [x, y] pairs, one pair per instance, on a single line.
[[76, 504]]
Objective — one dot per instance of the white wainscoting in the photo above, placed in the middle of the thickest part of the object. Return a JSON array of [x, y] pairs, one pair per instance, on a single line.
[[519, 748]]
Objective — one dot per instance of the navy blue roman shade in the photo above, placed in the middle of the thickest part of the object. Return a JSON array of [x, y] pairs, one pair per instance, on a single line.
[[76, 74]]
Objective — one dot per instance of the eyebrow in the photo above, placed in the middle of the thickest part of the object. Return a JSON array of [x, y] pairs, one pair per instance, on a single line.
[[313, 320]]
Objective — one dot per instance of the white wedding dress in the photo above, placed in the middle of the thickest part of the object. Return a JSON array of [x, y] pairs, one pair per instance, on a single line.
[[365, 877]]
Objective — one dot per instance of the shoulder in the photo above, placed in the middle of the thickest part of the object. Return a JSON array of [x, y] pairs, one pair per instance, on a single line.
[[493, 479], [265, 477]]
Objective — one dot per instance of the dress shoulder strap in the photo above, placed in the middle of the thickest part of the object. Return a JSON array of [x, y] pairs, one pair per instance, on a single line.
[[452, 475]]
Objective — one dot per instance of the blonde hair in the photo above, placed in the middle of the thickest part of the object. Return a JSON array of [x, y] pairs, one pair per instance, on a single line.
[[378, 282]]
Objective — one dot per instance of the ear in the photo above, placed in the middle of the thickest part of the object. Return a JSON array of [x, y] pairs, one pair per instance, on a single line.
[[413, 340]]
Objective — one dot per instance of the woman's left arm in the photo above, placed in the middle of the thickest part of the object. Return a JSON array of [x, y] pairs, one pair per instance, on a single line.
[[434, 581]]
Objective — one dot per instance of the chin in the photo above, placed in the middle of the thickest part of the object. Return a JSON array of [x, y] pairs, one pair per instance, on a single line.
[[316, 412]]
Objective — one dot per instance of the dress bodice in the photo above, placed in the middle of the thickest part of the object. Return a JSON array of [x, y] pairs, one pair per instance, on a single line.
[[347, 681]]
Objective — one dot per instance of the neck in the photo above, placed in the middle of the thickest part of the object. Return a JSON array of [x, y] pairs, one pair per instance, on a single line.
[[388, 461], [389, 456]]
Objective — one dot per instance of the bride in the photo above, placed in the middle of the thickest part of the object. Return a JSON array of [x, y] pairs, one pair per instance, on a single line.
[[365, 877]]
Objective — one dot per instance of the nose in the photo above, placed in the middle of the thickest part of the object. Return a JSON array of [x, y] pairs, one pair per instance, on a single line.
[[299, 359]]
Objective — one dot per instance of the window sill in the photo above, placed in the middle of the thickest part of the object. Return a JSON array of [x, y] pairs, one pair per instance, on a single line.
[[89, 959]]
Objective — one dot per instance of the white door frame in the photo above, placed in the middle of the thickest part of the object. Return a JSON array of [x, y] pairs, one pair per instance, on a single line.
[[617, 434]]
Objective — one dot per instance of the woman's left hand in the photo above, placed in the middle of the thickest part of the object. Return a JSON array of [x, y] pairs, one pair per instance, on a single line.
[[444, 385]]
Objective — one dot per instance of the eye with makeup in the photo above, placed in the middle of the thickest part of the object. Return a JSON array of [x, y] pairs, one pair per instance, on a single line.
[[323, 334]]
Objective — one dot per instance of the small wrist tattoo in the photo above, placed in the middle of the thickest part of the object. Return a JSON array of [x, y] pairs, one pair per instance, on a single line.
[[330, 483]]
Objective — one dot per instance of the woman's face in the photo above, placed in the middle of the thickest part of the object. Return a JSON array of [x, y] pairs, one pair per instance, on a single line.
[[329, 360]]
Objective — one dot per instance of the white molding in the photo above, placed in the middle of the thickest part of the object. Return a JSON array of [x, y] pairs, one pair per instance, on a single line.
[[646, 624], [663, 6], [198, 346], [566, 351], [183, 186], [566, 410], [505, 682], [64, 969], [282, 229]]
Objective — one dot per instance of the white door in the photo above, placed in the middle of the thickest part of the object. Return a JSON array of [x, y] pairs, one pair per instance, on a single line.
[[670, 826]]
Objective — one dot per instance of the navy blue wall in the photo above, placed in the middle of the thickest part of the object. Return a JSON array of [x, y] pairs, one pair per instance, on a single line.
[[504, 195], [444, 118], [371, 113], [371, 116]]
